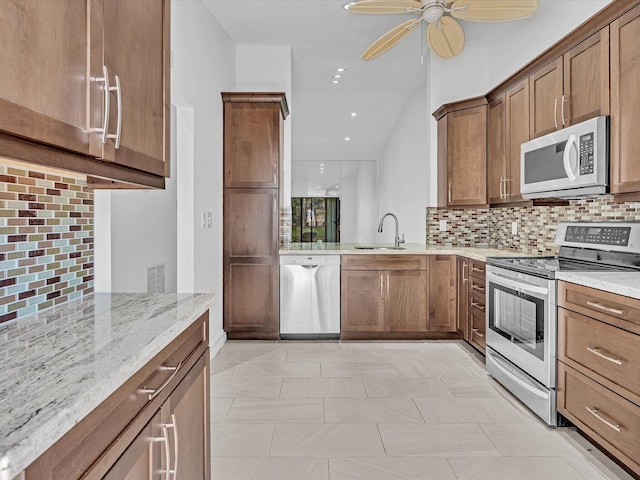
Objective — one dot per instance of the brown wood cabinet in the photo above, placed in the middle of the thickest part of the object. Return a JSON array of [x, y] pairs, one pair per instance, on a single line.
[[598, 383], [158, 420], [462, 153], [625, 103], [442, 294], [253, 152], [52, 98], [471, 301], [573, 88], [383, 293], [497, 164]]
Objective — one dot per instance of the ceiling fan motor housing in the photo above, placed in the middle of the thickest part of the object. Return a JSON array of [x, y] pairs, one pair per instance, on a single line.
[[433, 13]]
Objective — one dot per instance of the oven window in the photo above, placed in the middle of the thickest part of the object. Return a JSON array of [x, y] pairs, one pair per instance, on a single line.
[[518, 317]]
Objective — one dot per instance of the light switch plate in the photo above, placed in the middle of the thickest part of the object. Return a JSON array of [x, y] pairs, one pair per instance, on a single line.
[[443, 225], [514, 228]]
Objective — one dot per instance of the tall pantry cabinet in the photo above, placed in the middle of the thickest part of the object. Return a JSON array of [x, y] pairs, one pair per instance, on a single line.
[[253, 153]]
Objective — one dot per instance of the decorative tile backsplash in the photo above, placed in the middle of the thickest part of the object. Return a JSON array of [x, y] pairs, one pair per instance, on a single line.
[[536, 225], [46, 239]]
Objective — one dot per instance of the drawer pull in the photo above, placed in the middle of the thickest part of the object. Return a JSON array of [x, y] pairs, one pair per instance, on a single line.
[[594, 412], [477, 305], [479, 270], [476, 287], [477, 332], [606, 309], [596, 351], [154, 393]]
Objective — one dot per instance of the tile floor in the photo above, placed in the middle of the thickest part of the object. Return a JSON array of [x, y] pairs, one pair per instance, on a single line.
[[376, 410]]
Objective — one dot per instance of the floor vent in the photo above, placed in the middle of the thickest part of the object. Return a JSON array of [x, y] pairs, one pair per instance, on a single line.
[[155, 279]]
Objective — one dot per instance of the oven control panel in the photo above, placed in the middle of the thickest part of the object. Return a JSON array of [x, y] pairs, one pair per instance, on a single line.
[[611, 236], [598, 235]]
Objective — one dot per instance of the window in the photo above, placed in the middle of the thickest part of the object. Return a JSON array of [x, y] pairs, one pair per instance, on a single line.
[[315, 218]]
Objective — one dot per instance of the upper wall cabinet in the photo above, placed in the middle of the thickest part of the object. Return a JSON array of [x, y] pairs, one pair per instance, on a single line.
[[85, 86], [625, 103], [573, 88], [462, 153]]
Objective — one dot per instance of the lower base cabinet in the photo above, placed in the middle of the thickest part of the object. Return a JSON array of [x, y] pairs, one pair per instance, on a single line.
[[155, 426], [471, 316]]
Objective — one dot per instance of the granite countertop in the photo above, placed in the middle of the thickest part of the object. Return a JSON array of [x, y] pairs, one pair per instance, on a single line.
[[475, 253], [57, 366], [622, 283]]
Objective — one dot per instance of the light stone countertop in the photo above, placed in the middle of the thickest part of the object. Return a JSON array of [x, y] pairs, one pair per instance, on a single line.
[[59, 365], [622, 283], [475, 253]]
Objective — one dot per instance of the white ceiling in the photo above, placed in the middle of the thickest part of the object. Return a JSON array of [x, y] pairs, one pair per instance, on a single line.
[[323, 36]]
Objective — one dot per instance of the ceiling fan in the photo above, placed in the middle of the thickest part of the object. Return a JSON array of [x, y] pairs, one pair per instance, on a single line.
[[444, 33]]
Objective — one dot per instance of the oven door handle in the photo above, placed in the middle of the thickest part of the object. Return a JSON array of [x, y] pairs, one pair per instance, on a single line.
[[515, 285], [499, 363]]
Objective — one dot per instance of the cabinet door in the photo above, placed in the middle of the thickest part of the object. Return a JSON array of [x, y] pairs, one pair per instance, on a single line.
[[251, 144], [186, 413], [625, 103], [136, 49], [586, 80], [406, 301], [462, 296], [143, 459], [496, 150], [517, 127], [442, 293], [44, 75], [251, 294], [362, 299], [467, 157], [545, 90]]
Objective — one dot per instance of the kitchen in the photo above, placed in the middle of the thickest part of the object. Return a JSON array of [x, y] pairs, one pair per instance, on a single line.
[[139, 237]]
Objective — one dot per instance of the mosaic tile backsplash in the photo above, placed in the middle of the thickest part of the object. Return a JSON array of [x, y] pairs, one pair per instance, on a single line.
[[46, 239], [537, 226]]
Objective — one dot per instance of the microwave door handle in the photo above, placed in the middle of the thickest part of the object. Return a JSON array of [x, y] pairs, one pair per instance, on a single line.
[[515, 285], [566, 157]]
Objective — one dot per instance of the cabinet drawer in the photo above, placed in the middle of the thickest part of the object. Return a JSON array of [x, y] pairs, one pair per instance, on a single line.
[[477, 269], [610, 419], [609, 307], [592, 346], [477, 286], [135, 401], [384, 262], [477, 330], [477, 305]]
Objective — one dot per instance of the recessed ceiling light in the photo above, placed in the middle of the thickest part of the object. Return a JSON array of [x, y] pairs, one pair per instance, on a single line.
[[337, 76], [340, 69], [322, 164], [353, 114], [336, 81], [347, 139]]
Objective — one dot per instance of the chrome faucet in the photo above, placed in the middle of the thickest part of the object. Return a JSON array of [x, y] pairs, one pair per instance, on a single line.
[[398, 240]]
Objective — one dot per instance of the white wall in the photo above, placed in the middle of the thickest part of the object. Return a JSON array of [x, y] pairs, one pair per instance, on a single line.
[[403, 172], [136, 229], [262, 68], [498, 51]]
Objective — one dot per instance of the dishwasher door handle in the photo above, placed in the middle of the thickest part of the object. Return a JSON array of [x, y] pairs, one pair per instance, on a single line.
[[309, 267]]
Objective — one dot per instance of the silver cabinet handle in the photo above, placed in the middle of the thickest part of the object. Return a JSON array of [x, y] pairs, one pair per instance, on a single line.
[[107, 103], [275, 205], [555, 114], [449, 193], [479, 270], [174, 428], [501, 183], [275, 174], [381, 285], [388, 284], [596, 351], [477, 305], [477, 332], [595, 413], [476, 287], [606, 309], [465, 278], [154, 393], [562, 110], [506, 189], [119, 125]]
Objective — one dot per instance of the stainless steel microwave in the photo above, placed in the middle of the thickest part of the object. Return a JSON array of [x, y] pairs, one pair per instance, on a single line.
[[571, 162]]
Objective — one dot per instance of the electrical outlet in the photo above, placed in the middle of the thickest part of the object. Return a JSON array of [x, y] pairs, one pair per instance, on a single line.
[[209, 219], [443, 225], [203, 222], [514, 228]]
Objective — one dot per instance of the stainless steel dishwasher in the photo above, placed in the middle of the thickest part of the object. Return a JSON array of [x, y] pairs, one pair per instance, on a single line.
[[309, 296]]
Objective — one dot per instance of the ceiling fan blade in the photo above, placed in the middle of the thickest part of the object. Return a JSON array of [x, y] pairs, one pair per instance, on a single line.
[[389, 39], [384, 6], [446, 37], [493, 10]]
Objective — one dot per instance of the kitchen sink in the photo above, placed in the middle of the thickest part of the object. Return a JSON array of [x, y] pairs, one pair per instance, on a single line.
[[376, 247]]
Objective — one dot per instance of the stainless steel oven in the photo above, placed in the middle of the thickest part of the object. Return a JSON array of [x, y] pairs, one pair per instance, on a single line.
[[522, 337], [521, 330]]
